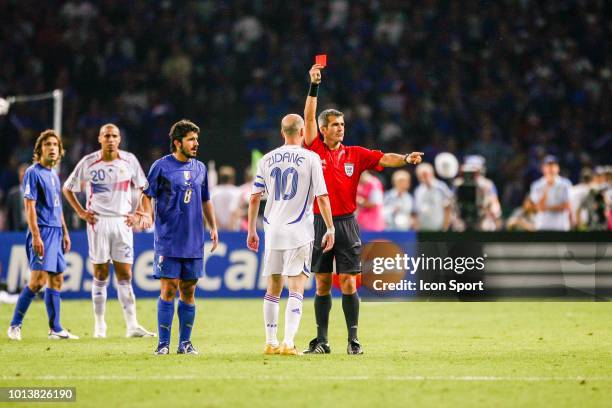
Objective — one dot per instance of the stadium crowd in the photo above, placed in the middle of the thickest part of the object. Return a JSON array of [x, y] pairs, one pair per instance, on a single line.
[[510, 81]]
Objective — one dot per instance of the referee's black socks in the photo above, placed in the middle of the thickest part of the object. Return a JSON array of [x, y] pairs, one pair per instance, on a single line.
[[322, 307], [350, 306]]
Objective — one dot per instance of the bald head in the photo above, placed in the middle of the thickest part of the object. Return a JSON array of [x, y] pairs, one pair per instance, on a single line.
[[109, 139], [291, 125], [109, 127]]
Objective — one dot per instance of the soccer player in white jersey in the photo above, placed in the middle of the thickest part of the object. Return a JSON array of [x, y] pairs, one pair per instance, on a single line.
[[292, 177], [109, 176]]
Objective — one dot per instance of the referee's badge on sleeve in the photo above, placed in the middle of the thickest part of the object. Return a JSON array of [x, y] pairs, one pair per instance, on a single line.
[[349, 168]]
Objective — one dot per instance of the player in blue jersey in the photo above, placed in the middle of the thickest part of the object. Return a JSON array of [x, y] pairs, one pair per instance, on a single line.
[[179, 184], [47, 238]]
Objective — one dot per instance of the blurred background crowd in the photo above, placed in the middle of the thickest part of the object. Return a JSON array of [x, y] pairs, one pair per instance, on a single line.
[[515, 90], [449, 196]]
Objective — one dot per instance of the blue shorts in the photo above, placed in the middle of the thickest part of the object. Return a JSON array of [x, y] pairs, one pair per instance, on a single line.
[[53, 260], [177, 268]]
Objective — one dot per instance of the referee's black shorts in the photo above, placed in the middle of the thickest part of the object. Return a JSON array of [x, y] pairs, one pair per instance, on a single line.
[[346, 250]]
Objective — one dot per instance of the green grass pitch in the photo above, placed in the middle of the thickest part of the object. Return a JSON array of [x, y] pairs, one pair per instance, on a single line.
[[416, 354]]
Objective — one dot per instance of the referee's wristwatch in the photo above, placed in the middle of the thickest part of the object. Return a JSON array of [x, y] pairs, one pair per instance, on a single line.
[[406, 157]]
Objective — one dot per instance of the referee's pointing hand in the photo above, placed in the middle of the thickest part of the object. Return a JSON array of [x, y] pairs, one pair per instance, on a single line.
[[415, 158]]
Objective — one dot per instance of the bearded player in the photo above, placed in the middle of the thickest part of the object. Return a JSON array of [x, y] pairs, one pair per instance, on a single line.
[[179, 184]]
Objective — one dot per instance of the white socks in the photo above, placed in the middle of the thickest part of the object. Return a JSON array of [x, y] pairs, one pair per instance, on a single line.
[[125, 294], [293, 315], [98, 297], [270, 312]]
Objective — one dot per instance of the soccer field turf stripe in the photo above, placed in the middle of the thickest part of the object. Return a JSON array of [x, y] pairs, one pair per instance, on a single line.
[[398, 378]]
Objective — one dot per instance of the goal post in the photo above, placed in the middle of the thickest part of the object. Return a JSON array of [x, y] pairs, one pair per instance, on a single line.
[[56, 95]]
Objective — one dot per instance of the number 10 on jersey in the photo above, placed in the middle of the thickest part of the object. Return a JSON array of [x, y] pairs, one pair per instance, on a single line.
[[281, 179]]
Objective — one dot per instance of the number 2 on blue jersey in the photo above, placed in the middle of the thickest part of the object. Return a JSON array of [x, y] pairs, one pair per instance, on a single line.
[[281, 179]]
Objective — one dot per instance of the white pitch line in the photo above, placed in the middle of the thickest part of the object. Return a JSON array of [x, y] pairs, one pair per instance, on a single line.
[[398, 378]]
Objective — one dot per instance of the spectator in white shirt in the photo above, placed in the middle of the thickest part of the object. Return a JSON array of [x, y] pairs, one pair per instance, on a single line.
[[398, 203], [432, 201], [226, 200], [551, 196]]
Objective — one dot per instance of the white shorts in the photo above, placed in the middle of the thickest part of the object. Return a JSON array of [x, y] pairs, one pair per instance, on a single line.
[[288, 262], [110, 239]]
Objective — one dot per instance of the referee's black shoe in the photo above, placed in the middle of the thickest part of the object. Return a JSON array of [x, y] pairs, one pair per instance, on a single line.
[[354, 347], [317, 347]]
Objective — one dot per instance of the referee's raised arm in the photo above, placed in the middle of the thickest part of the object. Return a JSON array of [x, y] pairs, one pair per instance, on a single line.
[[310, 110]]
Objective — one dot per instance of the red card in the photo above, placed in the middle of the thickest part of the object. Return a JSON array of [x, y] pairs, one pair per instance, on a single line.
[[321, 59]]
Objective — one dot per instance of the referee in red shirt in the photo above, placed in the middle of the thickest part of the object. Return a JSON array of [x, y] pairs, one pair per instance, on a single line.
[[342, 166]]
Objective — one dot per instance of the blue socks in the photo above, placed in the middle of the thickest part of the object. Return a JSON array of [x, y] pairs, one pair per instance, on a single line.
[[186, 314], [52, 302], [165, 314], [23, 303]]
